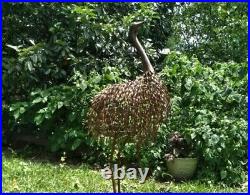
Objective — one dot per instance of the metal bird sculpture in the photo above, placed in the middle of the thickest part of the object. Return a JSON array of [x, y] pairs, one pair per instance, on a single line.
[[132, 111]]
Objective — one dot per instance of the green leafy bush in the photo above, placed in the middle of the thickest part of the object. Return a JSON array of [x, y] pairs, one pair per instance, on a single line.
[[41, 53], [209, 105], [59, 112]]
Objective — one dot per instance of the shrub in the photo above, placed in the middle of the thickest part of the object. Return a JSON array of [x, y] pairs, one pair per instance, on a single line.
[[209, 105], [58, 113]]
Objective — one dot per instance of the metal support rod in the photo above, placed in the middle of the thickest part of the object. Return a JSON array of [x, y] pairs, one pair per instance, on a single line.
[[112, 164], [138, 153], [119, 165]]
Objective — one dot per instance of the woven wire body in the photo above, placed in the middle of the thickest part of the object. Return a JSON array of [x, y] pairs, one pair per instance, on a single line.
[[133, 110]]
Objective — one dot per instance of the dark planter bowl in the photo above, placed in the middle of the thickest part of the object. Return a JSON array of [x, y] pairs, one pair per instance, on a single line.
[[182, 168]]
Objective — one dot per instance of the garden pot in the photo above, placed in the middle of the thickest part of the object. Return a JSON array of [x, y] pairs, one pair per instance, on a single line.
[[182, 168]]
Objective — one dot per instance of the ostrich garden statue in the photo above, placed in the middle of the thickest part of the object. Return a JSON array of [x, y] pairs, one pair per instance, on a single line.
[[131, 111]]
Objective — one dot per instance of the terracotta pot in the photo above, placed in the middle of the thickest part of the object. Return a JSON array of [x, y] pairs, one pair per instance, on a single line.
[[182, 168]]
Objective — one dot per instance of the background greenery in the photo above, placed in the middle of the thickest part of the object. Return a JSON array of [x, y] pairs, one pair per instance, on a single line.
[[57, 56]]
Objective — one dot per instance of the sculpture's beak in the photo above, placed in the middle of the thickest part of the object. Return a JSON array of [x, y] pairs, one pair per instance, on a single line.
[[137, 24]]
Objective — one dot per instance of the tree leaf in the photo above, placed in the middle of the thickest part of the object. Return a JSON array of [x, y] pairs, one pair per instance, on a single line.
[[16, 114], [16, 48], [39, 119], [76, 144], [37, 100], [22, 110], [188, 84], [59, 105], [34, 58], [223, 174], [29, 65]]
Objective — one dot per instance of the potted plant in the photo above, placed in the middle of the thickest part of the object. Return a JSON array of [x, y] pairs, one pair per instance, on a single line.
[[180, 161]]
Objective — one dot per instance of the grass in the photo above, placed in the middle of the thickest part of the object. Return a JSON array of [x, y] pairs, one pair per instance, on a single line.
[[30, 175]]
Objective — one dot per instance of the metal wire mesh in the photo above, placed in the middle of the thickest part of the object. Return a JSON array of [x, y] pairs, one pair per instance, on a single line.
[[133, 110]]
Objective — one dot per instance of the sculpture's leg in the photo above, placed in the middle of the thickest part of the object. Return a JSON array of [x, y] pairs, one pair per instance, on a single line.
[[112, 164], [138, 153], [119, 165]]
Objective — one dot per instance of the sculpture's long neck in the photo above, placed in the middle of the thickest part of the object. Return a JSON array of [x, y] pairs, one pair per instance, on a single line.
[[147, 66]]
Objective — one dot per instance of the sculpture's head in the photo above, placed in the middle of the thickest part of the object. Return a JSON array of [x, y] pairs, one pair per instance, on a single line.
[[133, 31], [137, 24]]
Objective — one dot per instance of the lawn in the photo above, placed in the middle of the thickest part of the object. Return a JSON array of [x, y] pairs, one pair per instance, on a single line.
[[22, 174]]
